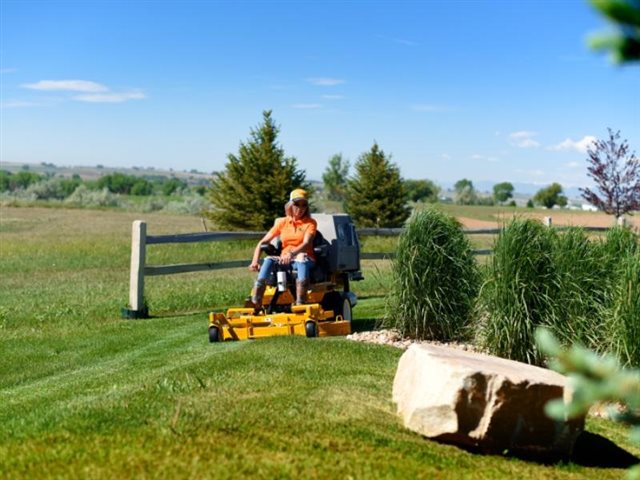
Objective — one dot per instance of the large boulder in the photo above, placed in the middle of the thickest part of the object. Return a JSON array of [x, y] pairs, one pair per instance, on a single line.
[[483, 402]]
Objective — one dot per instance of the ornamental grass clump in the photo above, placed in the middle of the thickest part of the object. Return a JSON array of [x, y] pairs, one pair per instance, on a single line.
[[624, 317], [621, 309], [518, 295], [580, 290], [435, 279]]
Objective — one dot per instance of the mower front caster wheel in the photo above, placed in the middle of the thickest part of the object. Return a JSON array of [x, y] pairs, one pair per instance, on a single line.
[[311, 329], [214, 334]]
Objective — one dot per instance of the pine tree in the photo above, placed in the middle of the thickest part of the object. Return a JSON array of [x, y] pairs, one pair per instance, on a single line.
[[252, 190], [376, 195], [335, 177]]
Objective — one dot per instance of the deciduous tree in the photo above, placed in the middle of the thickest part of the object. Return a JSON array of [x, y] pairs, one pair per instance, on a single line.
[[502, 192], [465, 192], [550, 196], [616, 173], [422, 190]]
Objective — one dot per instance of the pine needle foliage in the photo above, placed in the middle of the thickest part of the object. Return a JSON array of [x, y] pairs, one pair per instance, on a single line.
[[255, 184], [435, 279], [519, 290], [376, 195], [594, 379]]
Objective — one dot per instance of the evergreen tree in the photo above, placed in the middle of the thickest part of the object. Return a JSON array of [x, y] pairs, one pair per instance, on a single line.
[[376, 195], [252, 190], [335, 178]]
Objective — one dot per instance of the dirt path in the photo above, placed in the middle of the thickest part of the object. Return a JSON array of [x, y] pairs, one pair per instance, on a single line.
[[576, 218]]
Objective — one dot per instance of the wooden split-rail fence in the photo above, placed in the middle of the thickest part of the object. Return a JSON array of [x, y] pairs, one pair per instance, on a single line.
[[140, 240]]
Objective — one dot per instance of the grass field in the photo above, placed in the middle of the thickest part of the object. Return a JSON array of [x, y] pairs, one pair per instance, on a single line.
[[84, 394]]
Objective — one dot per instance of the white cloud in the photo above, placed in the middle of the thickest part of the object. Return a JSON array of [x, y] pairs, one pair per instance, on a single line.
[[581, 145], [325, 81], [333, 97], [86, 91], [524, 139], [306, 106], [111, 97], [70, 85]]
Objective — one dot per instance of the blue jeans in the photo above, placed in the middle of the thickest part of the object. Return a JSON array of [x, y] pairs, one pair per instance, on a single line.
[[269, 264]]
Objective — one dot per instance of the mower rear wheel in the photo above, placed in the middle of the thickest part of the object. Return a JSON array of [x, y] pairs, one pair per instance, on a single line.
[[311, 329], [345, 309], [214, 334]]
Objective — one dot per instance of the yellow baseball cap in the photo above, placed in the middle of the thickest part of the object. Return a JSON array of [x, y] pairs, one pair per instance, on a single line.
[[298, 194]]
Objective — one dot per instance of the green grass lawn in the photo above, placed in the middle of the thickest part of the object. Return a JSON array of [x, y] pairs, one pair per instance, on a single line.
[[84, 394]]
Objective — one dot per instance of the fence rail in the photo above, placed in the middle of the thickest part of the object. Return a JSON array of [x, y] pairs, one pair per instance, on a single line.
[[140, 239]]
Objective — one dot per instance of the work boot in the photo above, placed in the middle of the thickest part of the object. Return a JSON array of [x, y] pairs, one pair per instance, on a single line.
[[256, 297], [301, 292]]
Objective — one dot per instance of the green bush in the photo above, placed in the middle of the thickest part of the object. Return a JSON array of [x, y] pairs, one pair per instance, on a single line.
[[83, 197], [435, 279], [518, 294]]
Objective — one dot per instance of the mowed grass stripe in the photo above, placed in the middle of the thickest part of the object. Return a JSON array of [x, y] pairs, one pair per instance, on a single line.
[[104, 376]]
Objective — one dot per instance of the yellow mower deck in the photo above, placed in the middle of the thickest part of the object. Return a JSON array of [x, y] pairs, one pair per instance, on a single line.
[[305, 320]]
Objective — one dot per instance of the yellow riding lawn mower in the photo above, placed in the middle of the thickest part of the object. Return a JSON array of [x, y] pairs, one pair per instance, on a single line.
[[329, 298]]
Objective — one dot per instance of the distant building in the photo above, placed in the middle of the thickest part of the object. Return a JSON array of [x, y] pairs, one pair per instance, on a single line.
[[587, 207]]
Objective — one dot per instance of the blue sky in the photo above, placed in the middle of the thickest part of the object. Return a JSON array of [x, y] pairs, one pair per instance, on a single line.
[[487, 90]]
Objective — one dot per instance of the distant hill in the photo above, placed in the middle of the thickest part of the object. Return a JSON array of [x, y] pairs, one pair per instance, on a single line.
[[192, 177]]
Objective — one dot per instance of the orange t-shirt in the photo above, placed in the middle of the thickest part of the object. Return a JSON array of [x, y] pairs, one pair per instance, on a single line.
[[292, 233]]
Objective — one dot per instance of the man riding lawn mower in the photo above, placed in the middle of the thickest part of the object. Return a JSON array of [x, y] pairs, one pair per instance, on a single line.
[[303, 284]]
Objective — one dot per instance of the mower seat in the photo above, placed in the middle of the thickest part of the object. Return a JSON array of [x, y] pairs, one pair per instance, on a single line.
[[320, 271]]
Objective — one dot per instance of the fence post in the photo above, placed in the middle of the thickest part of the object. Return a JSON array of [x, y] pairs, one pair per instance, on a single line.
[[137, 307], [621, 221], [547, 221]]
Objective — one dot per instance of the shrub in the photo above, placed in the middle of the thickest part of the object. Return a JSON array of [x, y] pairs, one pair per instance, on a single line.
[[83, 197], [51, 189], [435, 279], [518, 294], [192, 205]]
